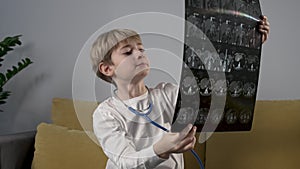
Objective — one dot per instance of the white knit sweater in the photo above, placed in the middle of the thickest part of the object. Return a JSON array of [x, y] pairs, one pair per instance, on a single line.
[[128, 139]]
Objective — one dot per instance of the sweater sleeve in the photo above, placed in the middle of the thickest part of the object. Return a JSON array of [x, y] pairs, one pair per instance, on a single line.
[[170, 91], [117, 146]]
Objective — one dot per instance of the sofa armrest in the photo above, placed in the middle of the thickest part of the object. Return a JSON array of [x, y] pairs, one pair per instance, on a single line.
[[16, 150]]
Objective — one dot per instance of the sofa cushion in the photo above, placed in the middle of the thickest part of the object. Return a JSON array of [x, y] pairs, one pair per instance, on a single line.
[[64, 114], [73, 114], [58, 147], [273, 142]]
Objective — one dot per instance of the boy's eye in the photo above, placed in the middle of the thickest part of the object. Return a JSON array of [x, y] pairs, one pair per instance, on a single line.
[[128, 52]]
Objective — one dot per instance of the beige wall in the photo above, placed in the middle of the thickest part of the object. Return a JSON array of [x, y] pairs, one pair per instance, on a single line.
[[55, 31]]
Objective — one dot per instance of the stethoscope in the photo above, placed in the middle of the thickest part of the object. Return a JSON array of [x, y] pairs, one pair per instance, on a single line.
[[146, 117]]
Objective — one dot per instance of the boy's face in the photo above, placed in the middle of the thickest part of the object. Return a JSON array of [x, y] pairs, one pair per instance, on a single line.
[[129, 62]]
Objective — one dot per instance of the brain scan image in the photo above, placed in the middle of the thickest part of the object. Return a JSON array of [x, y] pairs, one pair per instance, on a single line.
[[195, 3], [252, 63], [189, 86], [245, 116], [186, 115], [249, 89], [191, 58], [253, 8], [235, 88], [193, 29], [226, 30], [231, 116], [228, 4], [220, 87], [212, 4], [202, 116], [212, 29], [199, 59], [226, 61], [216, 116], [240, 35], [239, 61], [205, 87], [209, 60]]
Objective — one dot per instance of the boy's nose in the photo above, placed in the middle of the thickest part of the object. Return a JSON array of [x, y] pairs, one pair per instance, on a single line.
[[138, 53]]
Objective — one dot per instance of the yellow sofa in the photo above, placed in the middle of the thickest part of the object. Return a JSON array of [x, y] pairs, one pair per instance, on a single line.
[[69, 143]]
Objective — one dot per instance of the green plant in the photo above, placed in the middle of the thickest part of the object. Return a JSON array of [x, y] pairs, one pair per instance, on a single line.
[[7, 45]]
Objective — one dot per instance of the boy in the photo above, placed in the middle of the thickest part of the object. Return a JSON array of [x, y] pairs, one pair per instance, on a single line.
[[127, 139], [123, 123]]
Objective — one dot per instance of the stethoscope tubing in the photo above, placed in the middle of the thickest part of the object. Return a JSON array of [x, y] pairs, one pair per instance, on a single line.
[[145, 116]]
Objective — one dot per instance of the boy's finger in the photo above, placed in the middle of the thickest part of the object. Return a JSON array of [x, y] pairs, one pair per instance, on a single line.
[[264, 20], [185, 131], [267, 23], [185, 142], [194, 130], [264, 28], [189, 145], [263, 17]]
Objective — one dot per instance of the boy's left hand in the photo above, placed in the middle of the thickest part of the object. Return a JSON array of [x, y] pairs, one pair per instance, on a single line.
[[264, 28]]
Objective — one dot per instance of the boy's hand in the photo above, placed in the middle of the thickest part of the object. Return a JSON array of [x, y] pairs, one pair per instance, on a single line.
[[264, 28], [176, 142]]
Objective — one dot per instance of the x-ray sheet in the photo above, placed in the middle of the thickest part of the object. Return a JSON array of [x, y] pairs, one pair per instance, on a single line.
[[221, 65]]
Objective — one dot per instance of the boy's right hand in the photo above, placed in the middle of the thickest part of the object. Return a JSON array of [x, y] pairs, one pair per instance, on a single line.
[[176, 142]]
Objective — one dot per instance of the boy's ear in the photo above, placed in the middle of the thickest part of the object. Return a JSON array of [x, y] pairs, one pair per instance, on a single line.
[[106, 69]]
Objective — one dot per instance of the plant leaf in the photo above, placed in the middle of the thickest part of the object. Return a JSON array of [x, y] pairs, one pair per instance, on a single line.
[[3, 96], [8, 43], [2, 79], [16, 69]]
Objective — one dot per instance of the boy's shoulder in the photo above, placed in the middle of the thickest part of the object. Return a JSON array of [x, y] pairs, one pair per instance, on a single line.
[[168, 90], [105, 104], [166, 86], [108, 107]]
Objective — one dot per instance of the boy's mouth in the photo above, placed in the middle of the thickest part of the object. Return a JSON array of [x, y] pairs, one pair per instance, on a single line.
[[142, 64]]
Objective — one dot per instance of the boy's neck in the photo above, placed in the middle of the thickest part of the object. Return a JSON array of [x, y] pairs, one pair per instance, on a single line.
[[129, 91]]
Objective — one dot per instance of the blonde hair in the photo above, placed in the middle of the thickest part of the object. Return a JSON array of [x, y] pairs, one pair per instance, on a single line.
[[105, 44]]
